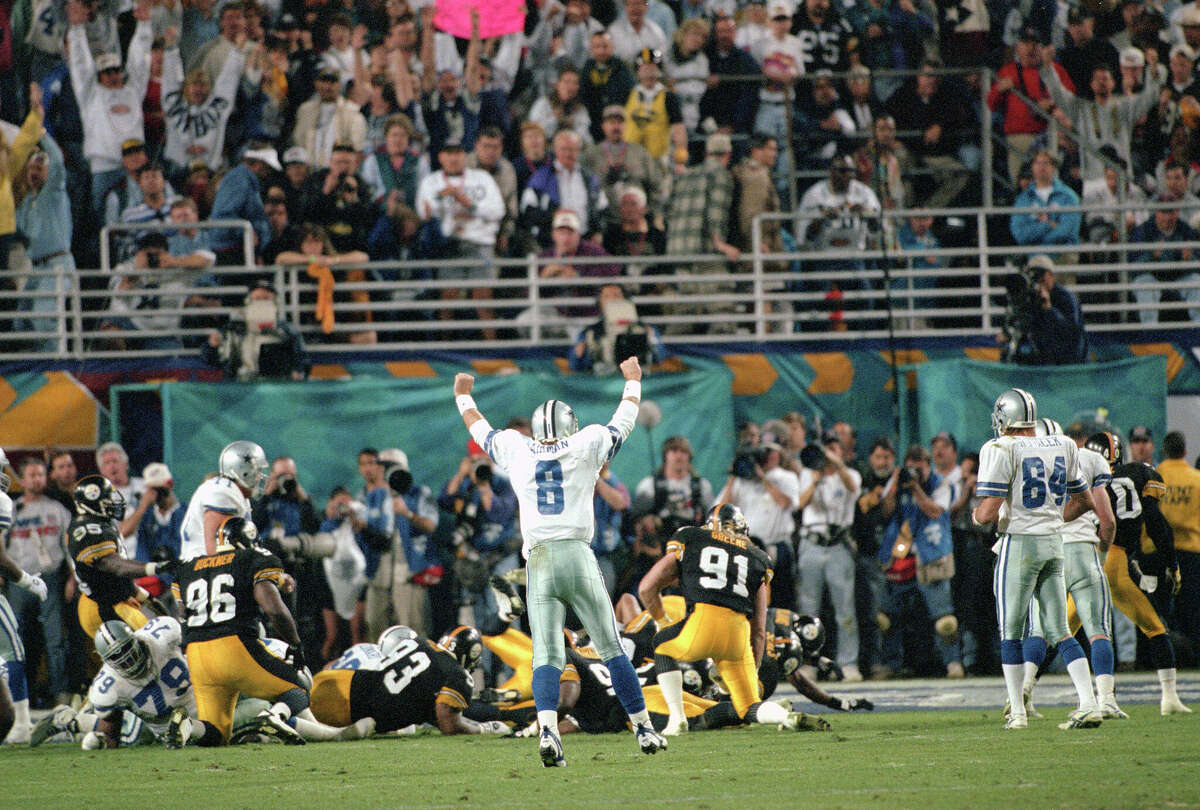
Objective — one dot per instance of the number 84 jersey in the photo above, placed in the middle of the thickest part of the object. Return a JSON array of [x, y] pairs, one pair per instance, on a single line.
[[718, 568], [1035, 475], [166, 686]]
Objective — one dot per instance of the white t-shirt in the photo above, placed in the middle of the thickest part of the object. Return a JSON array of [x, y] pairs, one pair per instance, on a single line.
[[832, 502], [479, 225], [768, 521], [1035, 475], [555, 482], [166, 686], [1096, 473], [219, 494]]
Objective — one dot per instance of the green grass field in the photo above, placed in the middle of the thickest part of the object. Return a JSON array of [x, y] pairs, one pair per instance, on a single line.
[[895, 760]]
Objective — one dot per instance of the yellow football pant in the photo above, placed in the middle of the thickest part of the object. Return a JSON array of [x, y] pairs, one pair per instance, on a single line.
[[91, 616], [225, 667], [716, 632], [1128, 597], [330, 696], [693, 706]]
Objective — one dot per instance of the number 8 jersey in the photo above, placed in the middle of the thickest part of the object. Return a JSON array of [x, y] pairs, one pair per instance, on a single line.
[[217, 592], [718, 568], [1035, 475]]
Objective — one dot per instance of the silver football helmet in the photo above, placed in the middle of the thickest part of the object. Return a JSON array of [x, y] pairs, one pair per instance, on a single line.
[[5, 481], [244, 462], [553, 420], [118, 647], [393, 637], [1048, 427], [1013, 409]]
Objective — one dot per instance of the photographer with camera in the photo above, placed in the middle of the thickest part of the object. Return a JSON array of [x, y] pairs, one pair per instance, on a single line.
[[920, 583], [484, 539], [826, 545], [768, 494], [1043, 323], [618, 334], [413, 561], [159, 515], [675, 496], [874, 510]]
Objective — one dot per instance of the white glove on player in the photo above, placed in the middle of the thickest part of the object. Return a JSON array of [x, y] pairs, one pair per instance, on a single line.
[[530, 730], [498, 727], [34, 584]]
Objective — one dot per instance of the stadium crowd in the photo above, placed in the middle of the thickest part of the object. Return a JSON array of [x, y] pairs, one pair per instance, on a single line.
[[351, 131]]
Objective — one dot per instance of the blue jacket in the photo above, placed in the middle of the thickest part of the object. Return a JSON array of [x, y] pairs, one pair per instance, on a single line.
[[607, 537], [1063, 229], [151, 535], [417, 552], [544, 186], [239, 197], [931, 536], [45, 217], [379, 517], [499, 522]]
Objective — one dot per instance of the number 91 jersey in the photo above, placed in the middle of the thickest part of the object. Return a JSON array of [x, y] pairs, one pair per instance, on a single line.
[[717, 568], [1034, 475], [166, 686], [217, 592]]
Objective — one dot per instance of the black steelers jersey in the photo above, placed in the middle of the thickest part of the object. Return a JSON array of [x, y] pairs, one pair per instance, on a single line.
[[408, 685], [717, 568], [217, 592], [598, 710], [1131, 484], [89, 539]]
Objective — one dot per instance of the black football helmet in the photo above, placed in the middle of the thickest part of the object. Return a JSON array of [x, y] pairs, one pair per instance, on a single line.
[[95, 495], [237, 532], [1108, 445], [728, 518], [810, 630], [465, 644]]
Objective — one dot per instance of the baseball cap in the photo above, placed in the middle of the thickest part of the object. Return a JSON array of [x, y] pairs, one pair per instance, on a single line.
[[718, 144], [266, 154], [1183, 50], [1141, 433], [564, 218], [394, 455], [287, 22], [1040, 262], [830, 436], [295, 154], [845, 162], [452, 144], [157, 474], [108, 61], [1133, 57], [614, 111], [263, 284], [132, 145], [648, 56], [1190, 16]]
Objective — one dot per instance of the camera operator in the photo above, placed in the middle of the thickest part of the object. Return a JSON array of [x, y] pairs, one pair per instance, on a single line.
[[159, 520], [343, 527], [675, 496], [921, 523], [767, 494], [413, 561], [827, 546], [874, 509], [484, 506], [1043, 324]]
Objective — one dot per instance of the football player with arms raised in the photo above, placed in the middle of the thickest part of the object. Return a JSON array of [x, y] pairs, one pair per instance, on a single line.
[[242, 470], [106, 579], [1135, 491], [725, 580], [1038, 480], [554, 475], [222, 594]]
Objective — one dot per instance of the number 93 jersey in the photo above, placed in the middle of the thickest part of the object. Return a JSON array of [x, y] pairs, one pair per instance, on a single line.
[[717, 568], [554, 482], [1035, 475], [217, 592], [167, 684], [408, 685]]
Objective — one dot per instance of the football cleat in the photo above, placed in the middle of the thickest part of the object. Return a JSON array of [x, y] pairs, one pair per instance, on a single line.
[[799, 721], [1111, 711], [60, 720], [179, 729], [1082, 718], [1173, 705], [550, 750], [675, 727], [500, 695], [509, 605], [649, 740], [1030, 711], [276, 727], [1015, 721]]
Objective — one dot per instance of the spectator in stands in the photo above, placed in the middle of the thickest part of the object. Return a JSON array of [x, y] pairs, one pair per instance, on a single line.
[[822, 126], [37, 542], [318, 255], [285, 234], [563, 184], [674, 496], [327, 119], [619, 163], [1175, 183], [343, 51], [1172, 263], [196, 111], [450, 106], [635, 234], [155, 206], [889, 162], [110, 100], [533, 153], [393, 237], [339, 201], [258, 342], [213, 53], [561, 108], [686, 68], [1113, 189], [603, 81], [755, 193], [1083, 51], [860, 103], [159, 514], [238, 197], [731, 100], [1021, 125], [1047, 226], [489, 157], [782, 58], [125, 192], [566, 245], [566, 32], [945, 143], [1103, 119], [296, 171], [655, 119], [1179, 508], [826, 38], [914, 236], [635, 33], [700, 208], [62, 475]]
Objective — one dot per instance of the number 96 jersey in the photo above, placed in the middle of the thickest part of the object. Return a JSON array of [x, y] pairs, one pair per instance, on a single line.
[[1034, 475], [166, 686], [217, 592], [717, 568], [408, 685]]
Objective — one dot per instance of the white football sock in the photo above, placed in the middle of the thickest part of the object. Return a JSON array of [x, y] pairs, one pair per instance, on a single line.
[[281, 710], [1105, 686], [1030, 679], [641, 718], [85, 722], [21, 713], [1166, 679], [770, 714], [1081, 676], [671, 684], [548, 718], [312, 729], [1012, 682]]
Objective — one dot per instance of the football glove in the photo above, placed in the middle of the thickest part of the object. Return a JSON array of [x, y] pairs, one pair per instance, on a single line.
[[497, 727], [828, 667], [34, 584], [854, 705], [531, 730]]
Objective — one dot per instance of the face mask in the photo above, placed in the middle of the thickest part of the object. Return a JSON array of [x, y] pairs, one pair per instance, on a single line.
[[260, 315]]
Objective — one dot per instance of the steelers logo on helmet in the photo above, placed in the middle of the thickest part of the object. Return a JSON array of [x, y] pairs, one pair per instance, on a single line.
[[237, 532], [91, 492]]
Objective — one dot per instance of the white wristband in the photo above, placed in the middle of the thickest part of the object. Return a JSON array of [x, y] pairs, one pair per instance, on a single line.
[[25, 579], [633, 390], [151, 568], [464, 403]]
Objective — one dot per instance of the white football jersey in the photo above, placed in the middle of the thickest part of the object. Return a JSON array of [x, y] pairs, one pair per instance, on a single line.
[[360, 656], [219, 494], [166, 686], [554, 482], [6, 512], [1094, 470], [1035, 475]]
